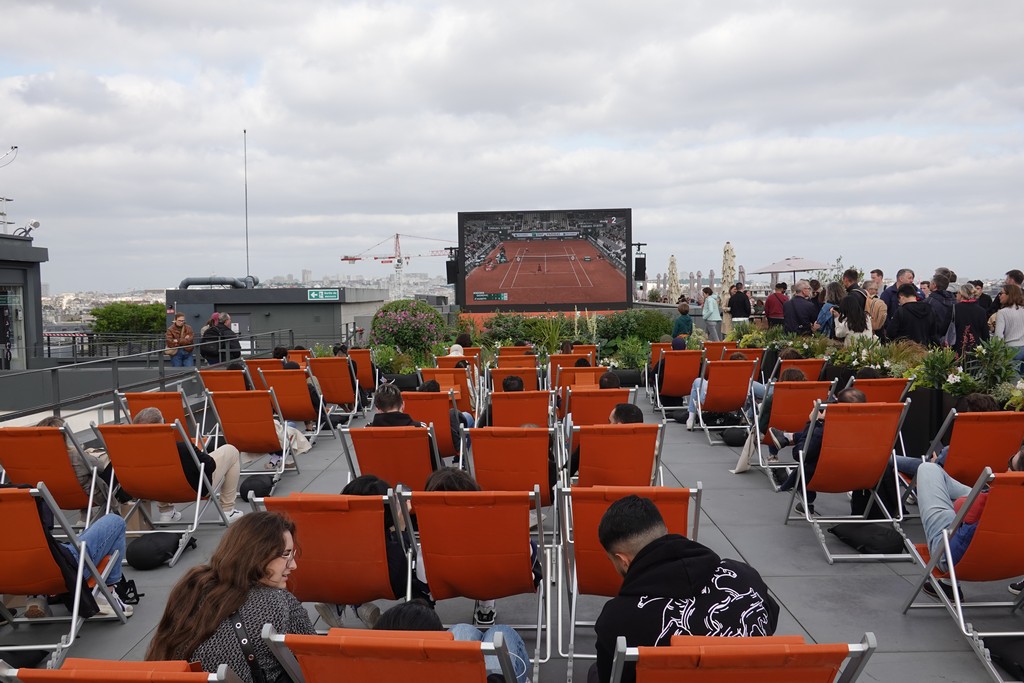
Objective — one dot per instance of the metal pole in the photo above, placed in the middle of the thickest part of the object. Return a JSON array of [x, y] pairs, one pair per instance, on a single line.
[[116, 385], [245, 175]]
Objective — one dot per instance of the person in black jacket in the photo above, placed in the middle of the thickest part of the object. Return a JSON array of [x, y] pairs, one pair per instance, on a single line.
[[672, 586], [971, 319], [739, 305], [942, 301], [913, 320], [799, 313], [230, 348], [388, 404]]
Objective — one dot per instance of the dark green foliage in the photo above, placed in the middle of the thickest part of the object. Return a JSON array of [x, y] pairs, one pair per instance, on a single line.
[[121, 317]]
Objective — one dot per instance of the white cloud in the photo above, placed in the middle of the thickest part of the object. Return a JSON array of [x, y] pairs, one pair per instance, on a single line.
[[889, 134]]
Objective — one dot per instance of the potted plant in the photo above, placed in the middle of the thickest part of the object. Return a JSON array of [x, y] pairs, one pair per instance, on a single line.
[[629, 361]]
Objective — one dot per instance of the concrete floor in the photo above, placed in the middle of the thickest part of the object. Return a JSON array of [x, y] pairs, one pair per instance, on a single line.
[[741, 518]]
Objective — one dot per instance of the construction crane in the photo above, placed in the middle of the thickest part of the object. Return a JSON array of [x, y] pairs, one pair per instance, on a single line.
[[397, 258]]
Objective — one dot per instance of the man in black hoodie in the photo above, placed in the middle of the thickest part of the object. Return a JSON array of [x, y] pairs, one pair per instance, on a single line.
[[672, 586], [388, 405], [913, 320]]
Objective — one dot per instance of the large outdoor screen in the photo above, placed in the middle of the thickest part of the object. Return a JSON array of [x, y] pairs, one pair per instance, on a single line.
[[545, 260]]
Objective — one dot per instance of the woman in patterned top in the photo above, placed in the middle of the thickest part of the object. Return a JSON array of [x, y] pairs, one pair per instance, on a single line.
[[247, 574]]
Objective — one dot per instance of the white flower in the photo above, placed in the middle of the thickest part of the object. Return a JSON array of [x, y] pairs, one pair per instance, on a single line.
[[980, 350], [806, 346], [953, 378], [886, 364], [856, 362], [864, 353], [1020, 384]]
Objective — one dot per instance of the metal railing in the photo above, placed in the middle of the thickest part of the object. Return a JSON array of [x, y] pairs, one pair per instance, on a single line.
[[167, 375]]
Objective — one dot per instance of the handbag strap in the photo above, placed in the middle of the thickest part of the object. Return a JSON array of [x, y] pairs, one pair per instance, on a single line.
[[247, 652]]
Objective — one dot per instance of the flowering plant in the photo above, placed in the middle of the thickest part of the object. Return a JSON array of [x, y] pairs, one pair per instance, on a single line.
[[960, 383], [409, 325]]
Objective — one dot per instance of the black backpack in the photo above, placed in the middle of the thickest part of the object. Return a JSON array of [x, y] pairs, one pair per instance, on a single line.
[[152, 550], [259, 485]]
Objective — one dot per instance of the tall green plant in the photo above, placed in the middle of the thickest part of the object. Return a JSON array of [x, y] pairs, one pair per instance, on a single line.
[[548, 332], [991, 363], [632, 353]]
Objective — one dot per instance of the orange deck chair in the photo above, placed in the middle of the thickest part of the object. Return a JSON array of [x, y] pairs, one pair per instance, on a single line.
[[977, 441], [517, 360], [679, 370], [588, 406], [254, 365], [300, 356], [515, 351], [811, 367], [476, 545], [855, 452], [716, 659], [173, 405], [517, 408], [27, 567], [330, 572], [511, 459], [656, 350], [29, 455], [530, 377], [338, 385], [588, 571], [586, 348], [620, 454], [252, 422], [453, 378], [557, 361], [451, 361], [292, 394], [433, 409], [148, 467], [398, 455], [365, 655], [104, 671], [717, 350], [363, 358], [572, 377], [995, 553], [221, 380], [728, 385], [792, 403], [884, 390]]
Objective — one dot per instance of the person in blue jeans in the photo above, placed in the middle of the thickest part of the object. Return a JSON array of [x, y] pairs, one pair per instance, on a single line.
[[417, 615], [102, 538], [180, 336], [971, 403]]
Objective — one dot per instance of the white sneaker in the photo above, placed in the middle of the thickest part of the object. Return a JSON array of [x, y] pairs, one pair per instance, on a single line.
[[690, 417], [106, 610], [331, 614], [369, 614], [37, 607], [168, 517], [234, 515]]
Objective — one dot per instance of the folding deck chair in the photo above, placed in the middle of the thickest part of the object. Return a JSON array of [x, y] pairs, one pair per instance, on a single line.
[[330, 572], [451, 361], [148, 467], [995, 553], [516, 408], [530, 377], [363, 358], [398, 455], [504, 351], [716, 350], [254, 365], [365, 655], [811, 367], [620, 454], [27, 567], [300, 356], [511, 459], [590, 407], [476, 545], [727, 386], [856, 449], [29, 455], [572, 377], [792, 403], [221, 380], [338, 385], [770, 659], [252, 422], [652, 360], [105, 671], [678, 370], [977, 441], [516, 360], [173, 405], [588, 571], [457, 379], [557, 361], [433, 409], [293, 399]]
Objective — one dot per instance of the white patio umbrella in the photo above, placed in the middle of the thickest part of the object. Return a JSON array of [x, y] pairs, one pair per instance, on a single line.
[[794, 265], [728, 273]]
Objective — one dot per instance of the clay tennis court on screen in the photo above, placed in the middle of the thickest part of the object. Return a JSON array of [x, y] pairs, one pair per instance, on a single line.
[[546, 272]]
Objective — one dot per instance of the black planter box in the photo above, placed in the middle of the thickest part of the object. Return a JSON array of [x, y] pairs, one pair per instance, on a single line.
[[629, 377], [403, 382], [831, 372], [923, 419]]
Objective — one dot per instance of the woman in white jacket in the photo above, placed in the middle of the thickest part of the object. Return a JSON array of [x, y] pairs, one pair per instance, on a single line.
[[852, 322]]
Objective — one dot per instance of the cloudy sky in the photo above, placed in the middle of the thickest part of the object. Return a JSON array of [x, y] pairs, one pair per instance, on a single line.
[[891, 134]]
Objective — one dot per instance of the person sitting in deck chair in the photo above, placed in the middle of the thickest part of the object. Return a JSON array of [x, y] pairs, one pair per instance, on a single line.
[[672, 586], [388, 405], [700, 389], [455, 416], [622, 414], [222, 464], [939, 497], [971, 403], [510, 383]]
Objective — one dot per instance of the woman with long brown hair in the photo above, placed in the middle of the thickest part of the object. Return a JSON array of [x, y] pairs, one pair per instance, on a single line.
[[245, 583]]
